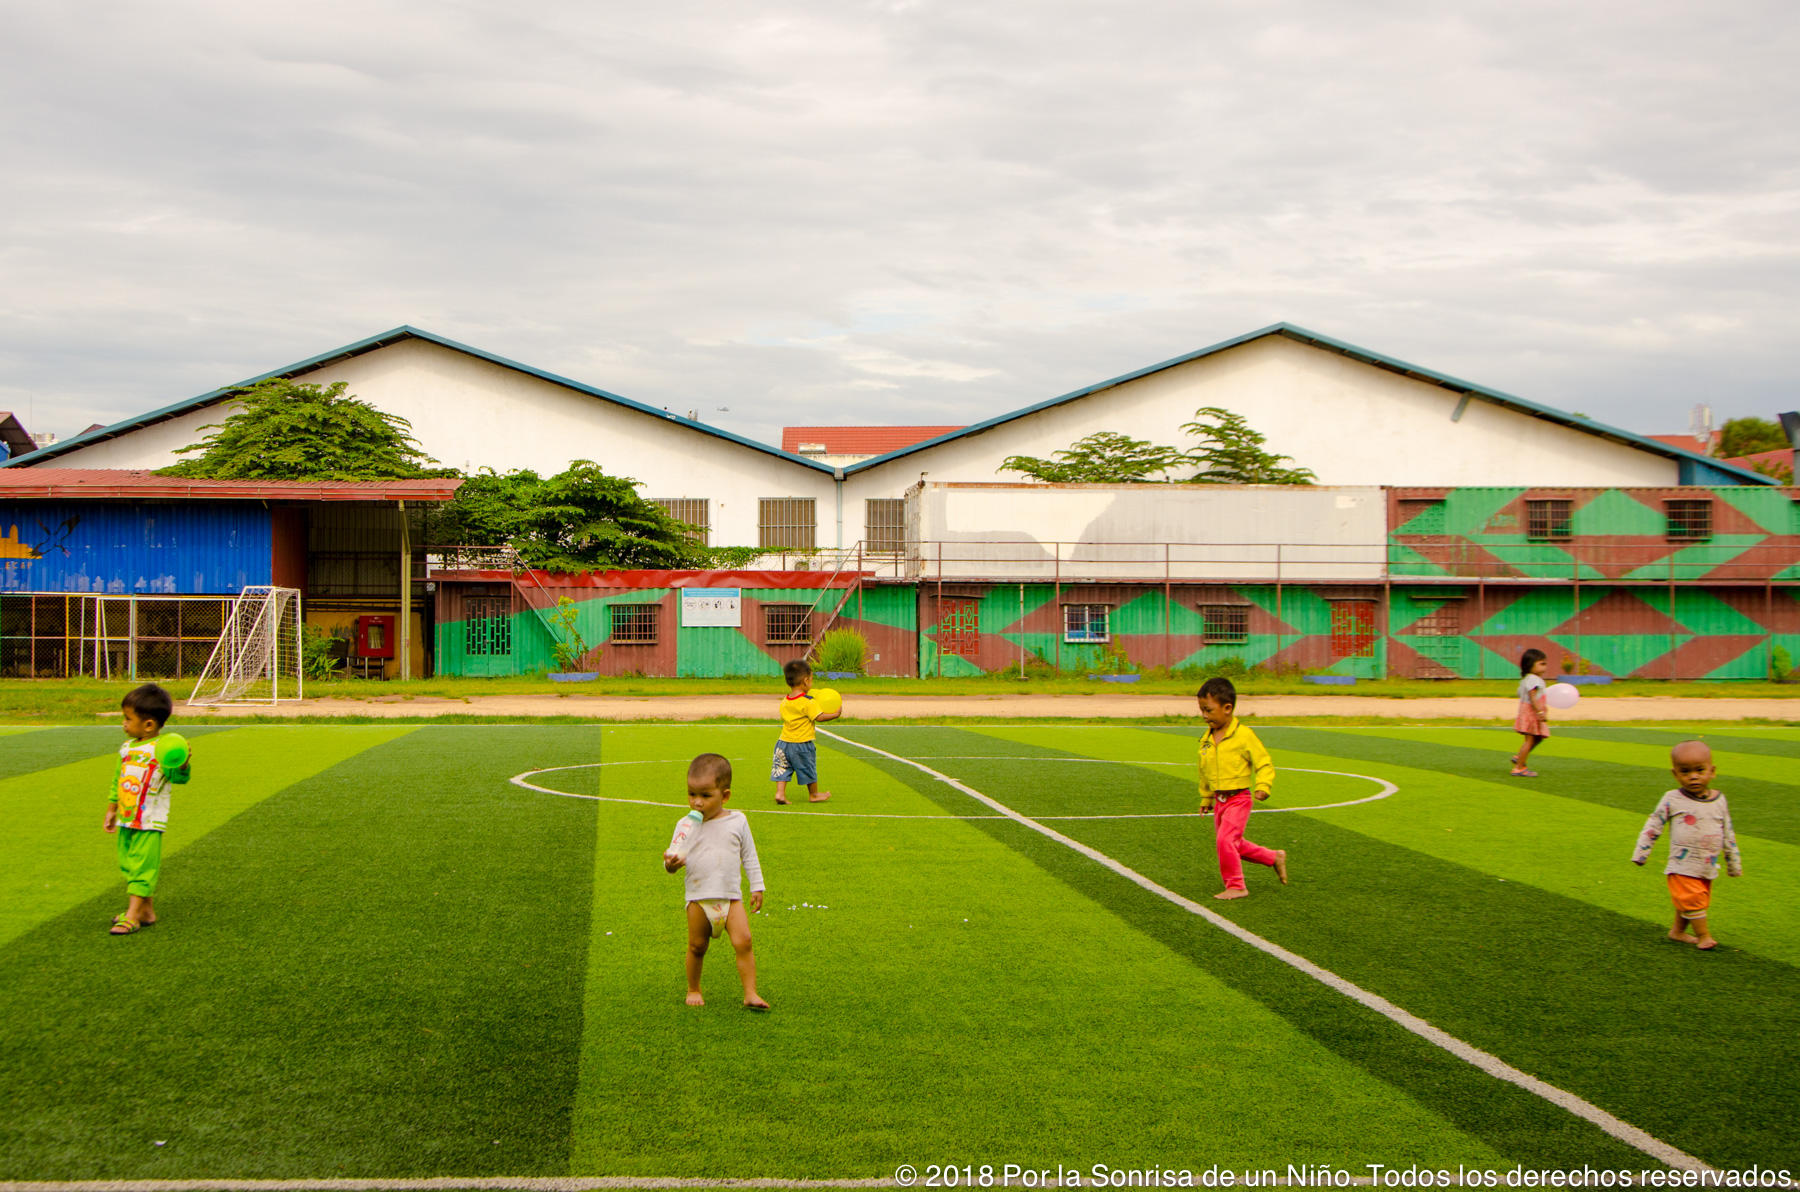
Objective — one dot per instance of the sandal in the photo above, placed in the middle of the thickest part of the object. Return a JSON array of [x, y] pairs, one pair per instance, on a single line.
[[130, 926], [1524, 773]]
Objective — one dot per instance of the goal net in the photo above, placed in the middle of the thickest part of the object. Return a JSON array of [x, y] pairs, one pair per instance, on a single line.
[[257, 660]]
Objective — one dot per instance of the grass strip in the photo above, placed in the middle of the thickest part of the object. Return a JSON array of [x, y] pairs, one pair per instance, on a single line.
[[376, 973], [954, 1003]]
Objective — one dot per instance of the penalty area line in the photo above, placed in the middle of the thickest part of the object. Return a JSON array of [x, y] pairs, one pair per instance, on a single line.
[[1493, 1065]]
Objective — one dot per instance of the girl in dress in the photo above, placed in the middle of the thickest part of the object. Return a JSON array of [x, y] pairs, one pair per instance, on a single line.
[[1533, 720]]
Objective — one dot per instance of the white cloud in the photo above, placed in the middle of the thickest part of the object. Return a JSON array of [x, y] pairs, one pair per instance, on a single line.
[[925, 212]]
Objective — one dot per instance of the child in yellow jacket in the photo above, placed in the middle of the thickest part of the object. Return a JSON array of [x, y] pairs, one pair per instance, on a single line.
[[1232, 761]]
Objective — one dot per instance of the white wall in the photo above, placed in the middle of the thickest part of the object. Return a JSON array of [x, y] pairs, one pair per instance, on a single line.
[[1153, 531], [1351, 423]]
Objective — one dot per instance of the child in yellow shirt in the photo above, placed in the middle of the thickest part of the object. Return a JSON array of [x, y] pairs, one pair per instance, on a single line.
[[796, 755], [1232, 760]]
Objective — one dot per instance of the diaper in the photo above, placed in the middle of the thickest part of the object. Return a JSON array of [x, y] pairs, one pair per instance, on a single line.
[[716, 911]]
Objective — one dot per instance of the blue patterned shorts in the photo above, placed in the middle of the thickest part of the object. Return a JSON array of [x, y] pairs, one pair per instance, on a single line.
[[795, 761]]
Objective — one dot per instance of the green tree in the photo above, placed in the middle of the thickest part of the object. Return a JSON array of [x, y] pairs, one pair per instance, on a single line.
[[577, 520], [1231, 453], [1103, 458], [287, 430], [1747, 436]]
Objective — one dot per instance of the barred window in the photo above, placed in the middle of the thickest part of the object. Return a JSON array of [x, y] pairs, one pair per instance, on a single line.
[[787, 624], [1690, 521], [1547, 521], [884, 525], [695, 511], [1087, 623], [1443, 621], [1226, 624], [1421, 517], [786, 523], [487, 625], [634, 624]]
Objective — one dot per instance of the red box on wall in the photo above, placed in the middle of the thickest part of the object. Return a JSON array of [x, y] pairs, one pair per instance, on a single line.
[[375, 637]]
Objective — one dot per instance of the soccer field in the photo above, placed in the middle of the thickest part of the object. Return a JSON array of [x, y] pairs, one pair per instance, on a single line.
[[414, 951]]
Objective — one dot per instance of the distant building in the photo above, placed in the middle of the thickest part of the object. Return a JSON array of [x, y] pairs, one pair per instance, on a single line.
[[841, 446]]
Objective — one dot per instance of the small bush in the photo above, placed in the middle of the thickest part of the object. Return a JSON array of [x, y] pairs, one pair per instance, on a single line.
[[844, 650], [1781, 665], [320, 651], [1231, 667]]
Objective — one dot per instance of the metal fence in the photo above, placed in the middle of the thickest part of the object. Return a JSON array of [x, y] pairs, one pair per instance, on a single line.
[[45, 636]]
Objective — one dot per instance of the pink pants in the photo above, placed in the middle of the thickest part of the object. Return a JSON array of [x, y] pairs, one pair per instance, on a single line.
[[1231, 812]]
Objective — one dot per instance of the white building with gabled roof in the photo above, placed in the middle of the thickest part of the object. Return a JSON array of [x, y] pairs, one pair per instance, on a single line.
[[1352, 416]]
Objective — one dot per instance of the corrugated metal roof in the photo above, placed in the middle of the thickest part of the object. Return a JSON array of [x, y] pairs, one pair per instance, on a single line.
[[860, 440], [657, 579], [90, 437], [131, 485], [1628, 438]]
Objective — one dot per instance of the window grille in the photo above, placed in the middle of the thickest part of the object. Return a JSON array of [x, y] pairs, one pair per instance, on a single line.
[[1226, 624], [634, 624], [487, 625], [884, 525], [1087, 623], [1443, 621], [1421, 517], [959, 628], [1353, 628], [787, 624], [695, 511], [1547, 521], [786, 523], [1690, 521]]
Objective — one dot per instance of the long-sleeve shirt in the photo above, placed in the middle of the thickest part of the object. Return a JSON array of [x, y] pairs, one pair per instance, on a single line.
[[1699, 832], [1237, 761], [141, 783], [721, 846]]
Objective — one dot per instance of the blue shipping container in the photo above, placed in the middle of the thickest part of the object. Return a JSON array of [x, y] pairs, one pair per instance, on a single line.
[[81, 546]]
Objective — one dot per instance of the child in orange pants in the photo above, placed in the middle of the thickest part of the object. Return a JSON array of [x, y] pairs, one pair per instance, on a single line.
[[1232, 761]]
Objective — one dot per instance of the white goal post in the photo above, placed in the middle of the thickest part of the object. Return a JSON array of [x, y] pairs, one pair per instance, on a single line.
[[257, 660]]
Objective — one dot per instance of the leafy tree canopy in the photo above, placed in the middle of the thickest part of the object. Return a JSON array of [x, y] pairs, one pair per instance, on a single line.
[[1103, 458], [1232, 453], [577, 520], [1747, 436], [287, 430]]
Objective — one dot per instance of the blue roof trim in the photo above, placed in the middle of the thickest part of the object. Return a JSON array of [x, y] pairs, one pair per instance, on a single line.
[[386, 338], [1691, 463]]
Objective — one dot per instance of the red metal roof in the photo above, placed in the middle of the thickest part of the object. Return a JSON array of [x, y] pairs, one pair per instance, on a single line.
[[121, 484], [859, 440], [656, 579], [1685, 442], [1783, 456]]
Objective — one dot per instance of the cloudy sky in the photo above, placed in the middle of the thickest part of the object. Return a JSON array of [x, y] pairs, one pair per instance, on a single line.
[[925, 211]]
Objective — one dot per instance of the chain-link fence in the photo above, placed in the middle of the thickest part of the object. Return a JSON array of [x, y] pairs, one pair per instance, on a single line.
[[45, 636]]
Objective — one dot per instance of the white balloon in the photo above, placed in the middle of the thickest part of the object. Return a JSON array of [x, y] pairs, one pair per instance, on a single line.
[[1562, 695]]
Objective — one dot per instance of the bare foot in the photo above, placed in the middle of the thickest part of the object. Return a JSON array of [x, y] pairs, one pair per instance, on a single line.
[[694, 999], [778, 798], [755, 1003], [819, 798], [1682, 937], [1281, 865], [1707, 944], [1226, 895]]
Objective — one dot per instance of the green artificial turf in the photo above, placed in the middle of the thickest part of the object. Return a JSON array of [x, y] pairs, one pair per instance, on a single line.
[[375, 972], [380, 958]]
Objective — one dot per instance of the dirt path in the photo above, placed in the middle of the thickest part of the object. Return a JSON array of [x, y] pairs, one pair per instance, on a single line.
[[1086, 707]]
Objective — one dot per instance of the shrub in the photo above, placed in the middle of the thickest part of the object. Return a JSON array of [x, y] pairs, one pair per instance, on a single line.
[[1781, 665], [844, 650], [319, 651], [569, 647], [1230, 667]]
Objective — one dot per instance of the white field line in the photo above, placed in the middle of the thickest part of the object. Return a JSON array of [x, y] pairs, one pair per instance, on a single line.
[[1494, 1066], [1387, 788]]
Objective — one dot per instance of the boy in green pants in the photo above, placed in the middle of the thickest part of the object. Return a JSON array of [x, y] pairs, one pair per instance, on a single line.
[[150, 761]]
